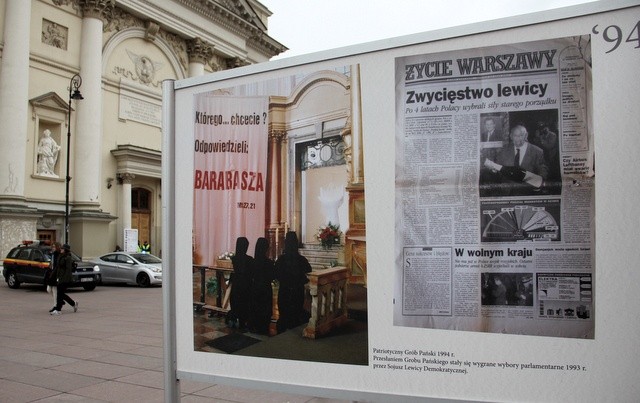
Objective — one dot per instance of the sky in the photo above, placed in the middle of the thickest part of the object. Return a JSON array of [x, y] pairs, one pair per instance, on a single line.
[[308, 26]]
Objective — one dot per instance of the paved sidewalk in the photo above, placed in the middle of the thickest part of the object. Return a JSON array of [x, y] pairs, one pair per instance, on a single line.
[[109, 351]]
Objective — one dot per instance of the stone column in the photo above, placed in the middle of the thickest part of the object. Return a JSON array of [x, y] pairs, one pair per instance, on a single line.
[[88, 131], [199, 53], [14, 102], [125, 200]]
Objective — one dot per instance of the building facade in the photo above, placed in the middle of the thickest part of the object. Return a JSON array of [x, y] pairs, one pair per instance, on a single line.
[[115, 53]]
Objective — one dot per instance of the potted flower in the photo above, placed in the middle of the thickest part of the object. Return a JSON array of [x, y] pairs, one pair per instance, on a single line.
[[329, 235]]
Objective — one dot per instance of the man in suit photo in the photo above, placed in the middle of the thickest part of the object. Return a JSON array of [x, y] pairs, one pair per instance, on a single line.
[[520, 155], [491, 131]]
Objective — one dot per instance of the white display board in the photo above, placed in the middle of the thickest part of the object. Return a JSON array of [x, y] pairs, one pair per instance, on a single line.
[[567, 330]]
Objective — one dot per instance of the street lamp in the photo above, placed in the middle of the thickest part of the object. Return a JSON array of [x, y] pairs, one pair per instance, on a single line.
[[74, 93]]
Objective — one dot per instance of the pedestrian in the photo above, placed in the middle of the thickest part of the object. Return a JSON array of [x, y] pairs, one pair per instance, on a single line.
[[64, 268], [145, 248], [51, 278], [291, 270], [261, 301]]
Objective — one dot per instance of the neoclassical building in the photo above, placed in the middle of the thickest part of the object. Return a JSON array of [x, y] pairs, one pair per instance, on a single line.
[[115, 53]]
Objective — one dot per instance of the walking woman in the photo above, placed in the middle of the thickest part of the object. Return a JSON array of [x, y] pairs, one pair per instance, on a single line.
[[65, 277]]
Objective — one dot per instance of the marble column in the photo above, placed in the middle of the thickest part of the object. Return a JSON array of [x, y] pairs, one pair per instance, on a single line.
[[199, 53], [14, 102], [88, 131]]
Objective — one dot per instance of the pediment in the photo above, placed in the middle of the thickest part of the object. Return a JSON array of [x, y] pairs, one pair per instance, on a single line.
[[51, 101]]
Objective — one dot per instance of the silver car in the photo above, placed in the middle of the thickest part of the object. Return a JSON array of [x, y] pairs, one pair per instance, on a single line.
[[142, 269]]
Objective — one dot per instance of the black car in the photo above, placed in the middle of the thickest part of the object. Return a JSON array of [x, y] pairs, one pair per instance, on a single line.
[[28, 263]]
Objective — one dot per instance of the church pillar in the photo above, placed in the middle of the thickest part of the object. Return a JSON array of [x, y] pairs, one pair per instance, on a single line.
[[88, 224], [199, 53], [14, 102], [276, 233], [356, 127], [88, 132], [125, 200], [124, 206], [17, 220]]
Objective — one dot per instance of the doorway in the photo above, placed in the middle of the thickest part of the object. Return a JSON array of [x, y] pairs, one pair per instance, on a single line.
[[141, 214]]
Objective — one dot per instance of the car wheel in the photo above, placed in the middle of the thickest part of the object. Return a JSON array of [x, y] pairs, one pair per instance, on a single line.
[[12, 280], [143, 280], [89, 287]]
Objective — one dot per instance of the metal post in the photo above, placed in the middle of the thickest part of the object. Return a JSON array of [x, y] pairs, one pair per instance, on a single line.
[[74, 93]]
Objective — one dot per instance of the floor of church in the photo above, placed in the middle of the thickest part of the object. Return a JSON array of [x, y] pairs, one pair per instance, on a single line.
[[347, 344]]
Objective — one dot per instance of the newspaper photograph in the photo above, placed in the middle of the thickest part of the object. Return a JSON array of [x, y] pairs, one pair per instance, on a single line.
[[495, 180]]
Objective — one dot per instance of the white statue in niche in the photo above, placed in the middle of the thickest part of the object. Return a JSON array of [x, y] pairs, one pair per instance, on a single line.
[[48, 151], [331, 199]]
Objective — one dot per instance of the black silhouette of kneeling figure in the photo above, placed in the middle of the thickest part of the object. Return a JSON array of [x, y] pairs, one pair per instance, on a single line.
[[240, 281], [291, 270], [262, 273]]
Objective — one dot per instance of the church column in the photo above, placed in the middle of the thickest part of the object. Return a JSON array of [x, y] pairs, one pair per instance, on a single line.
[[356, 127], [125, 200], [88, 131], [199, 53], [275, 200], [14, 102]]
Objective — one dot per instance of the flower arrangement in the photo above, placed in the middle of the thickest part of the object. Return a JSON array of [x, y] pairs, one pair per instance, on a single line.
[[224, 260], [329, 235], [226, 256]]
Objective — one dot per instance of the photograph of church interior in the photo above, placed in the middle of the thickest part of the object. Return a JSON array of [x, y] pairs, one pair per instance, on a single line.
[[315, 181]]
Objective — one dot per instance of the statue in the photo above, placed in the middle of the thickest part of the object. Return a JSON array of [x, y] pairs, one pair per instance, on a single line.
[[331, 199], [48, 151]]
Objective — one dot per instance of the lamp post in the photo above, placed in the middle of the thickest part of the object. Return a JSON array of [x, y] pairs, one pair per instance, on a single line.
[[74, 93]]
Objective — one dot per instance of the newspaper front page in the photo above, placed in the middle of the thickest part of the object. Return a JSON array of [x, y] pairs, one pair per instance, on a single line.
[[495, 190]]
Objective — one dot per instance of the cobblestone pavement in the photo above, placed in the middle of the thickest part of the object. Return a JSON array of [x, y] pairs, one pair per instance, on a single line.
[[109, 351]]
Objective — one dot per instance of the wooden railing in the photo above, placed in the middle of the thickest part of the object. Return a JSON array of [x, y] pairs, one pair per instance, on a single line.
[[216, 302], [328, 289]]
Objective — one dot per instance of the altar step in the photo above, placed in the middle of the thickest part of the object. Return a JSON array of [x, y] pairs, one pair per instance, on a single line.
[[321, 258]]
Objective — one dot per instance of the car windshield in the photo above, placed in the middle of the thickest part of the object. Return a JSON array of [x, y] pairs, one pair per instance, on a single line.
[[146, 258]]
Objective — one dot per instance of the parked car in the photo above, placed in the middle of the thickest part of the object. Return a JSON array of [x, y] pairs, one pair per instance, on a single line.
[[142, 269], [29, 261]]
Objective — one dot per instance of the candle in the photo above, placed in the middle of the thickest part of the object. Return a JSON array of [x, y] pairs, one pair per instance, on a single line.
[[286, 227]]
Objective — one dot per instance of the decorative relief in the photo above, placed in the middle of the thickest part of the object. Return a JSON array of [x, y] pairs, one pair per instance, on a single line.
[[234, 62], [152, 31], [97, 8], [145, 70], [178, 45], [54, 35], [217, 63], [277, 135], [120, 20], [199, 51], [125, 177]]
